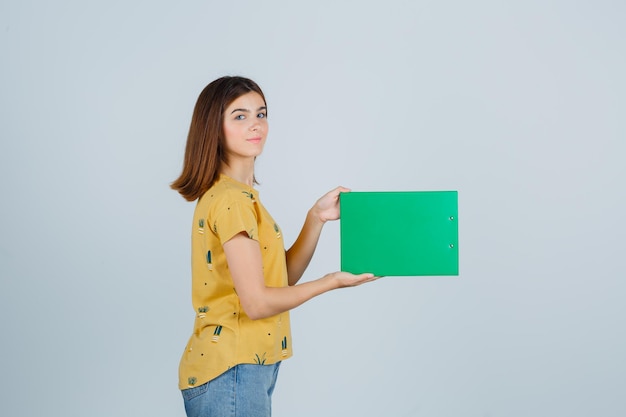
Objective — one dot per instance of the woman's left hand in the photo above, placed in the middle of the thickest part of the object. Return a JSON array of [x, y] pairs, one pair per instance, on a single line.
[[327, 207]]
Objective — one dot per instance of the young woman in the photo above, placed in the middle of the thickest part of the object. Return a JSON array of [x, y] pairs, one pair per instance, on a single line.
[[243, 280]]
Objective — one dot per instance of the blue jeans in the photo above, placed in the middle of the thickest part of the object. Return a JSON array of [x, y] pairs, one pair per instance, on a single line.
[[242, 391]]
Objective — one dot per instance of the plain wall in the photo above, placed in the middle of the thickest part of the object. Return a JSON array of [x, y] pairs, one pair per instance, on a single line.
[[518, 105]]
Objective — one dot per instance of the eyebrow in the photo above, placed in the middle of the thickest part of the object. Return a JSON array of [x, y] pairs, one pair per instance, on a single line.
[[248, 111]]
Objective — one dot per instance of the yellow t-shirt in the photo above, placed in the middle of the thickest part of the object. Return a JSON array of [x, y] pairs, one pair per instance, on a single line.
[[223, 335]]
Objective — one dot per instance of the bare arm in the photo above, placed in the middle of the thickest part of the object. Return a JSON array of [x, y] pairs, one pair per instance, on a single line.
[[259, 301], [301, 252]]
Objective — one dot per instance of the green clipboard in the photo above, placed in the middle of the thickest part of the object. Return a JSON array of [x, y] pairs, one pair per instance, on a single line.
[[405, 233]]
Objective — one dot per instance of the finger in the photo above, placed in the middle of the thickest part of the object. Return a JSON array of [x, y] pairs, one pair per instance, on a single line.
[[365, 280], [367, 277], [371, 277]]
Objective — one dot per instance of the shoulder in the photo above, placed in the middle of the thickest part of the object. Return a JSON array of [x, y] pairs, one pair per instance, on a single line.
[[230, 192], [224, 194]]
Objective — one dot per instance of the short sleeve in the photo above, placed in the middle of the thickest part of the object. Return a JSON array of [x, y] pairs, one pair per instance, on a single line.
[[235, 218]]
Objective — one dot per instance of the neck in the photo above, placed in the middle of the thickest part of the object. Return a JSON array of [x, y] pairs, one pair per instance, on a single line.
[[242, 171]]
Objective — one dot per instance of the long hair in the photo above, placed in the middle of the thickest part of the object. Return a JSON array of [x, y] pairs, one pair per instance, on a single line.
[[204, 152]]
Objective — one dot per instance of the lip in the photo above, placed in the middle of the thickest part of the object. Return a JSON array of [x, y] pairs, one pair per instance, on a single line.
[[254, 140]]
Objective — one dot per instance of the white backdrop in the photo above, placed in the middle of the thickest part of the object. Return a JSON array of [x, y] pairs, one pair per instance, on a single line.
[[518, 105]]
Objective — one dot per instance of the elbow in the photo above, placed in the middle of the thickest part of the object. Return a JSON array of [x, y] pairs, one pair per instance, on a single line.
[[253, 314], [292, 278], [254, 310]]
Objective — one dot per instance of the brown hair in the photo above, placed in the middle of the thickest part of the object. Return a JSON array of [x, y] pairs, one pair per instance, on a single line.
[[204, 152]]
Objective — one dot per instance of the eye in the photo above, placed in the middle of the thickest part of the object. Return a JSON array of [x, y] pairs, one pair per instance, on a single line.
[[261, 115], [240, 117]]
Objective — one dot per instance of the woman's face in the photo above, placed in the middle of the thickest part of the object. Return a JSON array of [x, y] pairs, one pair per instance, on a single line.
[[245, 126]]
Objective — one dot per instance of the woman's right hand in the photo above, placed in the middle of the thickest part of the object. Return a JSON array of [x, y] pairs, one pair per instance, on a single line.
[[342, 279]]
